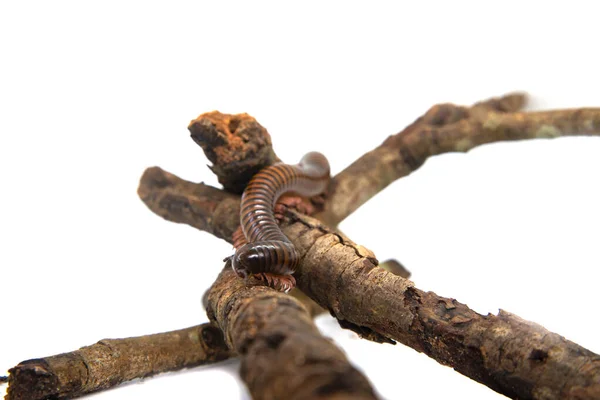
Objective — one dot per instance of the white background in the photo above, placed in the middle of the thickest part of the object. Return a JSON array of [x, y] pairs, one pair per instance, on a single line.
[[92, 93]]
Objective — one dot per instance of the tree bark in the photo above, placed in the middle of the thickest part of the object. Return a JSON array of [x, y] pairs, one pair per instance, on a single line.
[[283, 355], [447, 128], [514, 357], [113, 361], [237, 145]]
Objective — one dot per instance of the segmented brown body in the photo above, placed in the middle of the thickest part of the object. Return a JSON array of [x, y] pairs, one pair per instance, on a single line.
[[268, 250]]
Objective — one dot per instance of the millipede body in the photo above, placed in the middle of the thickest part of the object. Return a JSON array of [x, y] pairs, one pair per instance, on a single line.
[[268, 254]]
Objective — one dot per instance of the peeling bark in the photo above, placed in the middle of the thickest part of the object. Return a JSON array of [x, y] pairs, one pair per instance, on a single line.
[[512, 356]]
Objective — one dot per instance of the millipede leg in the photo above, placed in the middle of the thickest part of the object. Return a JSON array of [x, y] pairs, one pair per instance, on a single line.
[[283, 283], [287, 201]]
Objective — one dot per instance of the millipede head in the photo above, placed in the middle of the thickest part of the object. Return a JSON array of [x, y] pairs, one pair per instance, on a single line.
[[245, 261]]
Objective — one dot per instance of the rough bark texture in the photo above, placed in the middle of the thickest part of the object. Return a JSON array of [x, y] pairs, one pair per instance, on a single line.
[[514, 357], [283, 355], [447, 128], [112, 361], [237, 145], [196, 204], [313, 308]]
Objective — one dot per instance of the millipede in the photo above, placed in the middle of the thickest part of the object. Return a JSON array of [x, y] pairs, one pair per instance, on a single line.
[[267, 253]]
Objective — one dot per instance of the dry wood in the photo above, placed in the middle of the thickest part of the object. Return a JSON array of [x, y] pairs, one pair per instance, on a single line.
[[113, 361], [237, 145], [283, 355], [517, 358], [342, 276], [510, 355], [448, 128]]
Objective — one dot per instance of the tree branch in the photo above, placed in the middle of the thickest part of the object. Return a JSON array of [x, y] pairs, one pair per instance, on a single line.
[[508, 354], [512, 356], [283, 354], [447, 128], [237, 145], [113, 361], [203, 207]]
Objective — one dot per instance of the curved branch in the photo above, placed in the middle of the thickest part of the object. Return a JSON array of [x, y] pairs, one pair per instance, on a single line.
[[447, 128]]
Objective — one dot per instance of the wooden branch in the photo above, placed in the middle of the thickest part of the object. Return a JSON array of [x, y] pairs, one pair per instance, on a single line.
[[283, 355], [447, 128], [201, 206], [237, 145], [196, 204], [313, 308], [512, 356], [506, 353], [113, 361]]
